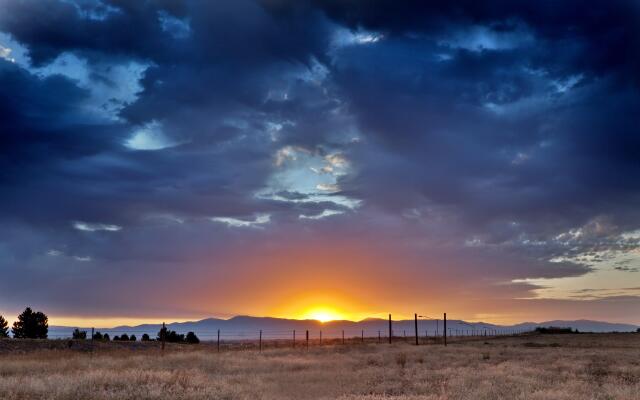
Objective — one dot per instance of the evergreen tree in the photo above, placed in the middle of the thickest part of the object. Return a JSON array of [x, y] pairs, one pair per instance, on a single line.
[[192, 338], [79, 335], [145, 338], [162, 334], [4, 328], [31, 325], [170, 336]]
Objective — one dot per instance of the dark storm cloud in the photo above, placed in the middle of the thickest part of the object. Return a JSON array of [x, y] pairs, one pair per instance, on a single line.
[[478, 134], [603, 34], [494, 138], [40, 120]]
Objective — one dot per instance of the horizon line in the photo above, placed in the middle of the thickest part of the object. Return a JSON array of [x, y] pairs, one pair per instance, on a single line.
[[143, 321]]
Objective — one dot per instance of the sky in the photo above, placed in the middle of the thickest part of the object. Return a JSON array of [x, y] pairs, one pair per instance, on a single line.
[[176, 160]]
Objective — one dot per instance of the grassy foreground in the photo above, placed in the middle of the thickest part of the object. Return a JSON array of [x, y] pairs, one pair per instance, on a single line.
[[604, 366]]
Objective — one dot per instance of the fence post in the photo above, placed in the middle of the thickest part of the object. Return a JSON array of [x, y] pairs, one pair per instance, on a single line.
[[444, 330], [320, 338], [362, 336], [218, 343], [260, 340], [415, 316], [378, 336], [92, 333], [343, 336], [307, 339], [390, 329], [163, 333], [294, 338]]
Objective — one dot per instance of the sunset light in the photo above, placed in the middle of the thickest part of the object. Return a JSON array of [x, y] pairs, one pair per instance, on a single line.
[[323, 314], [311, 199]]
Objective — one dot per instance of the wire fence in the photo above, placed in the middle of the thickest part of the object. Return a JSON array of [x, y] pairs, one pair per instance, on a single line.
[[427, 330], [313, 334]]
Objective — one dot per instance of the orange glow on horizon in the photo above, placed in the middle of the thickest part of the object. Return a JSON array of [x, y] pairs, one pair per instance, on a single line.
[[319, 313], [323, 314]]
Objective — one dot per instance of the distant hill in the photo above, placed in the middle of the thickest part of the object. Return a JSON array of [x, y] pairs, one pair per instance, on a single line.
[[246, 327], [581, 325]]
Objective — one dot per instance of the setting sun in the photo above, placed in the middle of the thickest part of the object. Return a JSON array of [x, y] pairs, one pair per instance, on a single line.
[[323, 314]]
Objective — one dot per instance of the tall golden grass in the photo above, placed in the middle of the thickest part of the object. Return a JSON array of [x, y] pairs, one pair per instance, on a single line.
[[529, 367]]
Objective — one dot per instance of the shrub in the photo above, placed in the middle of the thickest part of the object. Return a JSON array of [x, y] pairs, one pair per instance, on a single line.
[[175, 337], [401, 359], [79, 335], [98, 336], [170, 336], [192, 338], [116, 338], [106, 337], [145, 338], [31, 325], [4, 328], [133, 338], [124, 337]]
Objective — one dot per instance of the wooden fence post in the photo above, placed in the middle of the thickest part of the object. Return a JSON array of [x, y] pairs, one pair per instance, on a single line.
[[163, 334], [307, 340], [320, 338], [444, 330], [415, 317], [294, 338], [390, 329], [218, 343], [260, 341], [343, 336]]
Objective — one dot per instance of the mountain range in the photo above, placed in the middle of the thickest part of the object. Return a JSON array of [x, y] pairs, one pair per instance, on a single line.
[[247, 327]]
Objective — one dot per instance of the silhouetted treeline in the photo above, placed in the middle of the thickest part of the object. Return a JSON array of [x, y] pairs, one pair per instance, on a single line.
[[78, 334], [30, 325], [174, 337], [171, 337], [100, 336]]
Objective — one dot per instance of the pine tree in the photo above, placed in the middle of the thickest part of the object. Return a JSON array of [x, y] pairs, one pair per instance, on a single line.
[[79, 335], [31, 325], [192, 338], [4, 328]]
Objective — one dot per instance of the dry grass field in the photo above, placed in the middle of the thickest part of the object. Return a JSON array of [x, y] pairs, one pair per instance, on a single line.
[[530, 367]]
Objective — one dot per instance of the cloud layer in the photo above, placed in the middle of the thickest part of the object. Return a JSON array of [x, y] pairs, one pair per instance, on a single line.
[[224, 154]]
